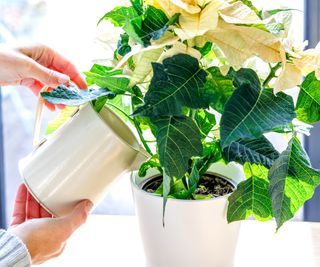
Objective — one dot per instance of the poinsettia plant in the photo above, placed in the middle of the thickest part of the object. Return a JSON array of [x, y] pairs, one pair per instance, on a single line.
[[193, 72]]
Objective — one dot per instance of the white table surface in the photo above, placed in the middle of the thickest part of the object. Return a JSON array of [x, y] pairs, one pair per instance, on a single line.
[[114, 241]]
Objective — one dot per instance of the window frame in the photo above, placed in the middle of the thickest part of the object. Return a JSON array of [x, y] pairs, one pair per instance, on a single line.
[[312, 143]]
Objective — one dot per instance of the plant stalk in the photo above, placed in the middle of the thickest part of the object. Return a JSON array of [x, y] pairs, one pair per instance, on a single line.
[[272, 74]]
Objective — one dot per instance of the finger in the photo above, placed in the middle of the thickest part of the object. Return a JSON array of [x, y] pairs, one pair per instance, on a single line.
[[33, 208], [19, 210], [53, 60], [47, 76], [44, 213], [74, 220], [36, 88], [60, 64]]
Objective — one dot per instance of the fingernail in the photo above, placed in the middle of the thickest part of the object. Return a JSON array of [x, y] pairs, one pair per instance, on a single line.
[[89, 206], [63, 79]]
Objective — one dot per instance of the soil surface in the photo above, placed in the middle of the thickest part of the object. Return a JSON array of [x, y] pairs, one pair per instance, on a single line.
[[209, 184]]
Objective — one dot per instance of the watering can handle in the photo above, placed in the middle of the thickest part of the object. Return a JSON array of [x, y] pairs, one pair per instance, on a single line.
[[38, 118], [37, 122]]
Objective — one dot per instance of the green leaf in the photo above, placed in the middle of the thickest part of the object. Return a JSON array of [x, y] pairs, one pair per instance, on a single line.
[[251, 198], [138, 6], [207, 48], [205, 121], [221, 88], [123, 46], [259, 151], [177, 83], [121, 107], [64, 115], [178, 140], [211, 154], [252, 111], [273, 12], [166, 191], [292, 182], [308, 104], [121, 15], [151, 26], [99, 103], [255, 170], [153, 162], [71, 96], [116, 84]]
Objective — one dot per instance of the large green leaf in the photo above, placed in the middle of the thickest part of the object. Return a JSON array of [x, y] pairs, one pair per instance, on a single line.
[[259, 151], [177, 83], [292, 182], [178, 140], [71, 96], [251, 198], [308, 104], [252, 111], [221, 87]]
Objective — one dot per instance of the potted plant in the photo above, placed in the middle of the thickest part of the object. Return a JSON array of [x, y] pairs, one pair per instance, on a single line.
[[206, 80]]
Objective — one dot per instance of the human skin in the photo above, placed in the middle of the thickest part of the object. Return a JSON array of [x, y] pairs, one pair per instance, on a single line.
[[44, 236], [36, 66]]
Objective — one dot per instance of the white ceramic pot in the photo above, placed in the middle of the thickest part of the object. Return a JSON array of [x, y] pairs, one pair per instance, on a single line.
[[81, 160], [196, 233]]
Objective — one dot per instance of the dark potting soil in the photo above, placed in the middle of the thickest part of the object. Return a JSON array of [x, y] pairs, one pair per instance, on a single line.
[[209, 184]]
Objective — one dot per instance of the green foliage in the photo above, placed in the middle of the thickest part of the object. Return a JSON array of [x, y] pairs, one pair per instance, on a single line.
[[173, 88], [292, 181], [116, 84], [153, 162], [141, 25], [221, 87], [205, 121], [123, 47], [252, 111], [120, 16], [72, 96], [258, 150], [178, 140], [308, 104], [251, 198]]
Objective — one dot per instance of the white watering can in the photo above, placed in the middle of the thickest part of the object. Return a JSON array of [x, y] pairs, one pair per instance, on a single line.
[[81, 160]]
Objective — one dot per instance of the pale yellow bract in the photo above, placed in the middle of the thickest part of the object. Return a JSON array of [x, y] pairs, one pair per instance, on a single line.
[[236, 30]]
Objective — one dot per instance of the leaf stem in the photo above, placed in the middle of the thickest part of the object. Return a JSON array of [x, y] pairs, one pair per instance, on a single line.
[[140, 133], [272, 74], [119, 109]]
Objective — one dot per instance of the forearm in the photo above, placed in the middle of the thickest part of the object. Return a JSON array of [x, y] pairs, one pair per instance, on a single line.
[[13, 253]]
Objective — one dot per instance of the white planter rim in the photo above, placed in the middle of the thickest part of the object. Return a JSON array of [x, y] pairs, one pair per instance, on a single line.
[[134, 184]]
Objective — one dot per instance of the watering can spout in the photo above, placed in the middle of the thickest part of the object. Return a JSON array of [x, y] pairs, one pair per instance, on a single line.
[[141, 156]]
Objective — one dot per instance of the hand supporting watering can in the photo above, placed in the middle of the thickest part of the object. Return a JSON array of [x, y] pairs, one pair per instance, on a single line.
[[32, 226]]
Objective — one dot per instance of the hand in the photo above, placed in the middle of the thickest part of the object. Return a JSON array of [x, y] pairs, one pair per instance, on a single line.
[[36, 66], [43, 235]]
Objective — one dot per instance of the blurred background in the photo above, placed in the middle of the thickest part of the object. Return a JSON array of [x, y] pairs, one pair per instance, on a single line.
[[70, 27]]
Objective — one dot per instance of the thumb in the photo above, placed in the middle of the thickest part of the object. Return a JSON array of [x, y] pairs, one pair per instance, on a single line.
[[47, 76], [78, 217]]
